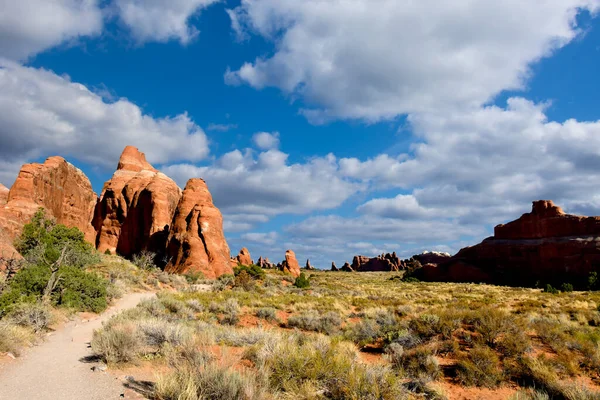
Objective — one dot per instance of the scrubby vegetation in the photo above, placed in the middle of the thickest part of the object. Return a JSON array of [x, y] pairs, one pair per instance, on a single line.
[[62, 271], [361, 336]]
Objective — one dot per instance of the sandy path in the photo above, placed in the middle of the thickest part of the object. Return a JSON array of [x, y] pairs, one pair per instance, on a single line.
[[53, 370]]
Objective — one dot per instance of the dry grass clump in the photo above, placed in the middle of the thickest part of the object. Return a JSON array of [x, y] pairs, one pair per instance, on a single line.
[[480, 368], [299, 366], [14, 337], [329, 323]]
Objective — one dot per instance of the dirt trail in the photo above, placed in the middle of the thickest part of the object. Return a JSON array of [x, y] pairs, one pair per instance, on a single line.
[[54, 370]]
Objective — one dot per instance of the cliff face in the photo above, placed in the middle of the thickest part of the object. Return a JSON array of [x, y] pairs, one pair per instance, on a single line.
[[545, 246], [136, 207], [196, 241]]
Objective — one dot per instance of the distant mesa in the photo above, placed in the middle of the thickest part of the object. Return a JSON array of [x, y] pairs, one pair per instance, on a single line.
[[545, 246]]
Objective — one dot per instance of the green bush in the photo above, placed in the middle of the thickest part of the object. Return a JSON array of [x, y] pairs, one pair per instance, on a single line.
[[76, 288], [566, 287], [302, 282], [253, 270], [44, 242], [481, 368], [593, 281], [550, 289]]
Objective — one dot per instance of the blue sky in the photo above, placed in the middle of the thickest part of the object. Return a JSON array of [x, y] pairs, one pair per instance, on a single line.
[[332, 128]]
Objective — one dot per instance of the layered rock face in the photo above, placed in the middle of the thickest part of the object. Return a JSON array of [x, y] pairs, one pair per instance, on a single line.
[[544, 246], [290, 264], [383, 263], [432, 257], [243, 258], [347, 267], [57, 186], [136, 207], [196, 242]]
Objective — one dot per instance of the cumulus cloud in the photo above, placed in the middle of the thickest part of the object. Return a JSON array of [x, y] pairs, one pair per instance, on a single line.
[[267, 184], [161, 20], [28, 27], [268, 239], [376, 61], [266, 140], [43, 114]]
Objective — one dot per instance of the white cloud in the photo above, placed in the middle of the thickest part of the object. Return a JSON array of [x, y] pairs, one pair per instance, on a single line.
[[376, 60], [266, 184], [268, 239], [28, 27], [44, 114], [161, 20], [266, 140]]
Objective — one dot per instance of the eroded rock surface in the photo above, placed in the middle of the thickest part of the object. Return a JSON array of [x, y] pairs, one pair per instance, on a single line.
[[57, 186], [136, 207], [196, 242], [243, 258], [383, 263], [290, 264]]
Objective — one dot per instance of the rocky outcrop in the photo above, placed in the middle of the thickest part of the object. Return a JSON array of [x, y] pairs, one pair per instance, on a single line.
[[347, 268], [243, 258], [136, 207], [309, 266], [334, 268], [57, 186], [544, 246], [196, 242], [3, 194], [265, 263], [432, 257], [383, 263], [290, 264]]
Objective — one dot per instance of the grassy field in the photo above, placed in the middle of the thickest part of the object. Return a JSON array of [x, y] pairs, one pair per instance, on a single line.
[[360, 336]]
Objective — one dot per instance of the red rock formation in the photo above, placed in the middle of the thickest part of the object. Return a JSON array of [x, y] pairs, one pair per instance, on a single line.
[[63, 190], [544, 246], [265, 263], [3, 194], [196, 242], [136, 207], [243, 258], [347, 268], [309, 266], [334, 268], [382, 263], [290, 265]]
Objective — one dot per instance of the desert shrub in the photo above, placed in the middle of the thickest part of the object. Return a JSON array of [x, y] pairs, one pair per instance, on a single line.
[[231, 312], [76, 288], [193, 277], [144, 260], [404, 338], [529, 394], [302, 282], [593, 281], [253, 271], [424, 325], [157, 332], [490, 323], [419, 363], [268, 313], [364, 332], [107, 252], [44, 242], [223, 282], [550, 289], [301, 367], [36, 316], [245, 281], [480, 368], [210, 382], [13, 337], [313, 321], [566, 287], [118, 343], [515, 344]]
